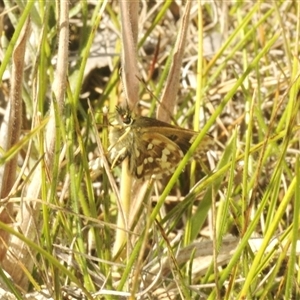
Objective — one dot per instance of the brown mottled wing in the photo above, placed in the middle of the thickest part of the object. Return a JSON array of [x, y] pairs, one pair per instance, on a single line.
[[156, 155], [160, 149], [184, 138]]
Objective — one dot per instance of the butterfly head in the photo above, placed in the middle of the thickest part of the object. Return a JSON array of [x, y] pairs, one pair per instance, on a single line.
[[124, 115]]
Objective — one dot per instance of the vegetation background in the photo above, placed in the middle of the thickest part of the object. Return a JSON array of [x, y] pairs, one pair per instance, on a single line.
[[225, 229]]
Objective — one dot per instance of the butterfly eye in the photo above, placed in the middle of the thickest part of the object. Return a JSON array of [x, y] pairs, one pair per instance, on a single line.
[[126, 118], [124, 115]]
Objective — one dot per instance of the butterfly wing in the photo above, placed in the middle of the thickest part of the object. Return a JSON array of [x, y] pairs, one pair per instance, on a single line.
[[158, 150], [154, 154]]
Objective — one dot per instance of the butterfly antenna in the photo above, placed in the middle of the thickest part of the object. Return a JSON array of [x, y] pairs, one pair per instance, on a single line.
[[156, 99]]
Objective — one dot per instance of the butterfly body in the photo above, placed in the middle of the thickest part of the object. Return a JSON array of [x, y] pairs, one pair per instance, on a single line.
[[152, 146]]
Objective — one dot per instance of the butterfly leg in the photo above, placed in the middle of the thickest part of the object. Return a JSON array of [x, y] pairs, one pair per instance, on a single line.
[[120, 156]]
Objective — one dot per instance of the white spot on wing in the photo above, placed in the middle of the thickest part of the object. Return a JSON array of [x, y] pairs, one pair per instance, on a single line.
[[156, 142], [137, 153], [150, 146], [166, 151], [139, 170], [164, 155], [165, 165]]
